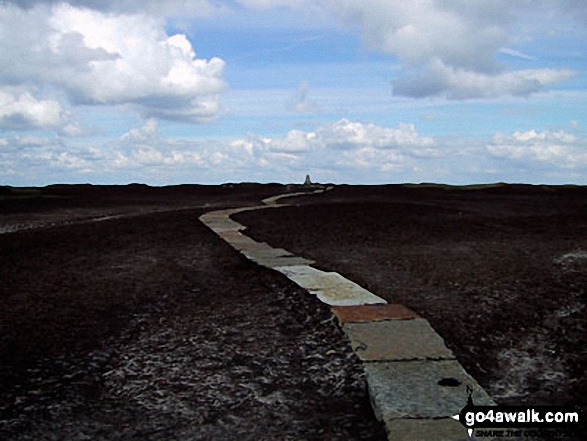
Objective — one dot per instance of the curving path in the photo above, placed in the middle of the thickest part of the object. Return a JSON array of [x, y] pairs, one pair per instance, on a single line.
[[415, 382]]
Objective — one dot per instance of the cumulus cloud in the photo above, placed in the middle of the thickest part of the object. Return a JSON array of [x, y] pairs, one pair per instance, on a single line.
[[460, 34], [344, 143], [118, 52], [21, 110], [445, 42], [451, 45], [344, 150], [556, 148], [147, 134], [139, 151], [103, 58], [155, 7], [145, 147], [438, 79], [346, 135], [36, 157], [33, 141]]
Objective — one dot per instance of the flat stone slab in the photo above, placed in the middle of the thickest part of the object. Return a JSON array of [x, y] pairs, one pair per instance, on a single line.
[[273, 199], [372, 313], [410, 389], [253, 246], [232, 211], [220, 222], [331, 288], [397, 340], [215, 216], [303, 274], [282, 261], [444, 429], [236, 238], [414, 382], [223, 226], [261, 253]]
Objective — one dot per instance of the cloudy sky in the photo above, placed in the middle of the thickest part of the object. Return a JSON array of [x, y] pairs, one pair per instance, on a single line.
[[212, 91]]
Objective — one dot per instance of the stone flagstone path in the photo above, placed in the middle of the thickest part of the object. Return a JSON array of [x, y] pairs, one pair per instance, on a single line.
[[414, 380]]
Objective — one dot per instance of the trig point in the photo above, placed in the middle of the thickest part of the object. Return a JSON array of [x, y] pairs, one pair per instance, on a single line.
[[307, 182]]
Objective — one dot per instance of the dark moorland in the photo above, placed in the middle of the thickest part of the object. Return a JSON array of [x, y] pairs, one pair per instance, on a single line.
[[500, 271], [123, 317]]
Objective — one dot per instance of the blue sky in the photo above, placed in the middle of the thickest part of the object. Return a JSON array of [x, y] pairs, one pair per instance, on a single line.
[[378, 91]]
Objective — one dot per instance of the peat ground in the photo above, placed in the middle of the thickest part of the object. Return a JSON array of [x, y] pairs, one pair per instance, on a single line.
[[123, 317], [499, 271]]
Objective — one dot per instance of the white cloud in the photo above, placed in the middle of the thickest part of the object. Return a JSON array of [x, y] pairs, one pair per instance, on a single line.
[[72, 129], [455, 83], [450, 45], [301, 103], [515, 53], [67, 160], [343, 151], [268, 4], [20, 110], [189, 8], [144, 147], [33, 141], [345, 143], [346, 134], [370, 157], [557, 148], [148, 133], [461, 34], [105, 58], [34, 157], [296, 141]]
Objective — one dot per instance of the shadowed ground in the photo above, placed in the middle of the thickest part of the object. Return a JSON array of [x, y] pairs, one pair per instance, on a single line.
[[500, 272], [151, 327]]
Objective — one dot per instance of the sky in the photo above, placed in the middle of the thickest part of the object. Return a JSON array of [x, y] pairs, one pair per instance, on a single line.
[[369, 92]]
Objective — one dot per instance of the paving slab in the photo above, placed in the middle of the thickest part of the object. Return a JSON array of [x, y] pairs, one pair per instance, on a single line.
[[219, 219], [407, 429], [229, 223], [414, 381], [253, 246], [282, 261], [236, 238], [232, 211], [304, 274], [223, 225], [410, 389], [372, 313], [273, 199], [331, 288], [213, 216], [397, 340], [261, 252]]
